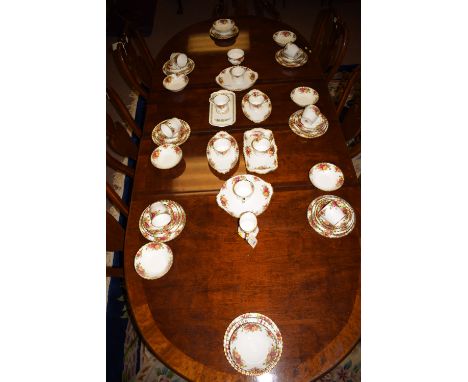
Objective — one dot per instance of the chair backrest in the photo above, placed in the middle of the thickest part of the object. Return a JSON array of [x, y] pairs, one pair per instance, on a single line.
[[330, 41], [133, 37], [119, 140], [123, 112]]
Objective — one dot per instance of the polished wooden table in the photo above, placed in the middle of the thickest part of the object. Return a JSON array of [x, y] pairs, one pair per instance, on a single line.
[[307, 284]]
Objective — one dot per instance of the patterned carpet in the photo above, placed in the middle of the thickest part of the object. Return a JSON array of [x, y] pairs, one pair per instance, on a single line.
[[128, 359]]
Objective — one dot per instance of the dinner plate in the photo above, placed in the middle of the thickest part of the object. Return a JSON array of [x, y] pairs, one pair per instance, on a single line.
[[303, 96], [282, 60], [160, 139], [166, 156], [224, 79], [253, 344], [232, 199], [153, 260], [168, 232], [326, 176], [169, 68], [259, 114], [222, 152], [317, 220], [319, 127], [283, 37]]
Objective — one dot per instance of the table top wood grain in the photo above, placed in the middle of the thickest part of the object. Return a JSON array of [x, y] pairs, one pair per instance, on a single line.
[[307, 284]]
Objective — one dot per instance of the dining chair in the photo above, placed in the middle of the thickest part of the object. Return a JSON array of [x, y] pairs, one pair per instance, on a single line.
[[329, 42], [123, 112]]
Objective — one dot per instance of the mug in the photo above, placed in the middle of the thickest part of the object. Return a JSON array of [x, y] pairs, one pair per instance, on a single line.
[[171, 127], [235, 56], [237, 74], [310, 115], [248, 222], [221, 102]]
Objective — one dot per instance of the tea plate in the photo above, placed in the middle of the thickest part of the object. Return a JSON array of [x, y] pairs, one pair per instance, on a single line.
[[166, 156], [168, 68], [301, 60], [221, 120], [260, 161], [260, 114], [253, 344], [153, 260], [175, 82], [235, 205], [319, 128], [222, 161], [224, 79], [168, 232], [315, 216], [283, 37], [326, 176], [303, 96], [224, 36], [160, 139]]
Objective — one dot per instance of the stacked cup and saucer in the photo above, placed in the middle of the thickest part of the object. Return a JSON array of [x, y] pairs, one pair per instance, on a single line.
[[291, 56], [308, 122], [224, 29], [176, 70]]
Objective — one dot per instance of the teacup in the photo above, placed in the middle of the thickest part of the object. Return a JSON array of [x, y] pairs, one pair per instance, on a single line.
[[243, 189], [310, 115], [291, 50], [256, 100], [222, 145], [248, 222], [160, 215], [223, 25], [261, 144], [221, 102], [179, 60], [237, 74], [235, 56], [332, 213], [171, 127]]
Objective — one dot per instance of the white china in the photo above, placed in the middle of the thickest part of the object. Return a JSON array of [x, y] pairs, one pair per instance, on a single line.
[[168, 231], [170, 68], [291, 51], [224, 25], [284, 37], [235, 56], [180, 136], [319, 127], [303, 96], [224, 36], [260, 151], [243, 82], [171, 127], [179, 60], [222, 152], [331, 216], [326, 176], [248, 222], [291, 63], [253, 344], [175, 82], [160, 215], [309, 116], [166, 156], [153, 260], [256, 106], [237, 74], [223, 119], [221, 102], [253, 194]]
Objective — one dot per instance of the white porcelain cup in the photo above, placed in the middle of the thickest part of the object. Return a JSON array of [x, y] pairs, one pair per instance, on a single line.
[[332, 213], [221, 102], [256, 100], [248, 222], [179, 60], [237, 74], [222, 145], [160, 215], [171, 127], [291, 50], [243, 189], [310, 115], [223, 25], [261, 144], [235, 56]]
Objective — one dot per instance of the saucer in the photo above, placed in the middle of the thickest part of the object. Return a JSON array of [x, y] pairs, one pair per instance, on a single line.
[[166, 156], [326, 176], [224, 36], [315, 216], [253, 344], [221, 120], [222, 161], [175, 82], [256, 160], [283, 37], [319, 128], [224, 79], [291, 63], [168, 232], [160, 139], [235, 205], [168, 68], [252, 113], [303, 96], [153, 260]]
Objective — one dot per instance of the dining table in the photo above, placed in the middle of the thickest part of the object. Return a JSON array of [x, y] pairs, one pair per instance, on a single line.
[[308, 284]]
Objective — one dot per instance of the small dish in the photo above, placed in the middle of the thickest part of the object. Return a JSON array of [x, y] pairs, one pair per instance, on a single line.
[[153, 260], [283, 37], [303, 96], [319, 127], [319, 210], [222, 152], [175, 82], [225, 79], [253, 344], [226, 119], [326, 176], [168, 68], [160, 139], [258, 156], [167, 232], [259, 111], [166, 156], [291, 63]]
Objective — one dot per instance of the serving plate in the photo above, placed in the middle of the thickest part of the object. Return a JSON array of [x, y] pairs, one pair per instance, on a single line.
[[153, 260], [168, 232], [260, 159], [283, 37], [227, 119], [222, 152], [225, 80], [303, 96], [256, 114], [319, 127], [160, 139], [326, 176]]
